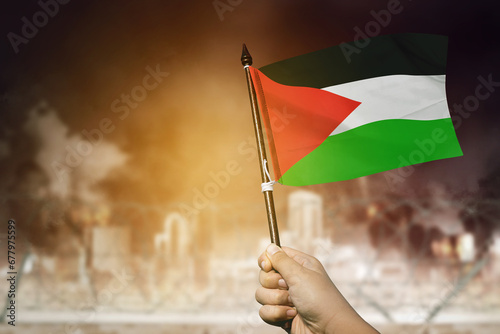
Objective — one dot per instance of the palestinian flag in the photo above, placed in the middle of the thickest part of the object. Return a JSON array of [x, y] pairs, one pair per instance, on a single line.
[[336, 114]]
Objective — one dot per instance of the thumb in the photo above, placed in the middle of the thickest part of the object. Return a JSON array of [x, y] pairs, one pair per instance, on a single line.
[[285, 265]]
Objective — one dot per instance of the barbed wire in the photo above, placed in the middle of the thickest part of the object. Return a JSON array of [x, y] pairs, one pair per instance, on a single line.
[[161, 287]]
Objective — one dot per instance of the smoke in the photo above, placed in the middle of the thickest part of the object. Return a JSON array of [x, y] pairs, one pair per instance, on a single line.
[[70, 174], [4, 149]]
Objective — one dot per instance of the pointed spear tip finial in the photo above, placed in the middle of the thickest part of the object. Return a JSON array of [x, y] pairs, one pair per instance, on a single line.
[[246, 59]]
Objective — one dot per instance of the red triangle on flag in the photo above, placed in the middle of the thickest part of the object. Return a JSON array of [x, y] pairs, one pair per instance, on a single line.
[[297, 119]]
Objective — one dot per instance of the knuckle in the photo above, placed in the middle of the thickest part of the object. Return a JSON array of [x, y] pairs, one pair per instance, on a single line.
[[270, 314], [269, 280], [271, 297], [258, 295], [278, 256], [262, 313], [265, 313], [264, 277], [279, 297]]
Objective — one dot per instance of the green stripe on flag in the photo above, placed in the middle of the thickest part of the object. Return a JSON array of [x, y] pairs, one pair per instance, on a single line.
[[412, 54], [374, 148]]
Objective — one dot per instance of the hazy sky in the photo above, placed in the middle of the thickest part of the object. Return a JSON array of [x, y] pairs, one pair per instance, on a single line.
[[191, 118]]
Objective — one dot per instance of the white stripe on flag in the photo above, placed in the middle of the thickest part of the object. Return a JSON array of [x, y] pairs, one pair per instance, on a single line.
[[415, 97]]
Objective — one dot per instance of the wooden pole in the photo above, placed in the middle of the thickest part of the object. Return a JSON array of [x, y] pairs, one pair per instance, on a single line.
[[246, 61]]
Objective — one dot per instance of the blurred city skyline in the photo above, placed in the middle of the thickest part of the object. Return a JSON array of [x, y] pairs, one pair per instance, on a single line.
[[118, 119]]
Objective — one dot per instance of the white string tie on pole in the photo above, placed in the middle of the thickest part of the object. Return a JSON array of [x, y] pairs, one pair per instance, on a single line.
[[267, 186]]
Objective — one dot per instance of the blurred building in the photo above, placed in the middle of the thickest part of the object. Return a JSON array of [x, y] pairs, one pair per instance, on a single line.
[[182, 253], [305, 221], [110, 247], [174, 243]]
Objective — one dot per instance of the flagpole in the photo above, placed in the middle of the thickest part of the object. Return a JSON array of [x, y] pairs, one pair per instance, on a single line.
[[246, 61]]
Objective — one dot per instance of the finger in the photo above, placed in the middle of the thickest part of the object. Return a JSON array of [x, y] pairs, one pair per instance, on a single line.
[[276, 314], [272, 297], [305, 260], [289, 269], [293, 253], [272, 280], [264, 262]]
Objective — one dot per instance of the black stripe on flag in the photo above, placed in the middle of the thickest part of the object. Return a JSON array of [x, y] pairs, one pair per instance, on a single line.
[[411, 54]]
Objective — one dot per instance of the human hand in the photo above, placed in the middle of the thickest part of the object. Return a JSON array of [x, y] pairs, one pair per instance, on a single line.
[[299, 296]]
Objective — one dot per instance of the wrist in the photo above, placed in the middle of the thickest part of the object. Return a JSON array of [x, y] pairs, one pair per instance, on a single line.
[[347, 323]]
